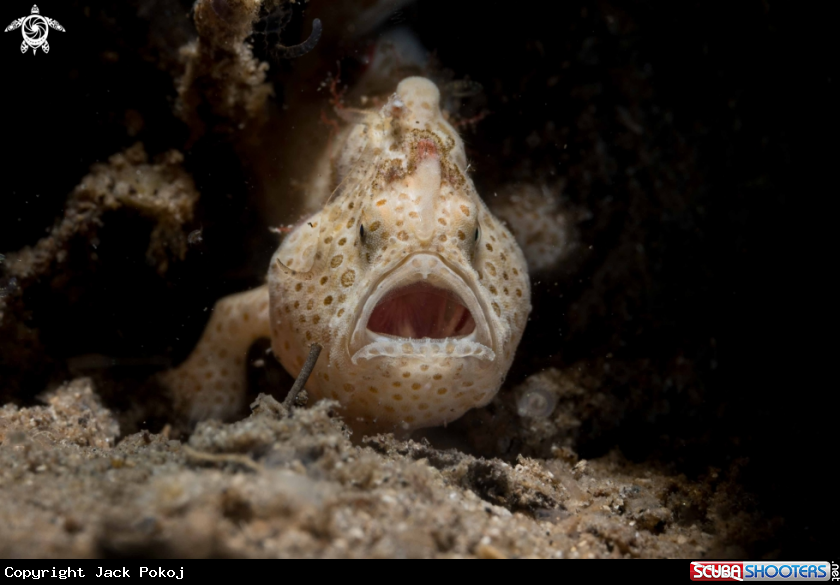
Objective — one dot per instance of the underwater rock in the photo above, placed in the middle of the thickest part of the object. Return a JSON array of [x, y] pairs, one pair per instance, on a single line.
[[74, 415]]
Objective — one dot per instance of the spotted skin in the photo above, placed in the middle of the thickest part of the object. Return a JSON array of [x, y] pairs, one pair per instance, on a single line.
[[400, 210], [211, 383]]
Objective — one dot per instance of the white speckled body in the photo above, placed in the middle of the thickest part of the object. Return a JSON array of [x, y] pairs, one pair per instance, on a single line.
[[400, 175], [400, 211]]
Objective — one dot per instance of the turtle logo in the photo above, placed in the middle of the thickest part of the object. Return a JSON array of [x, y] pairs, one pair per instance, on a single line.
[[35, 28]]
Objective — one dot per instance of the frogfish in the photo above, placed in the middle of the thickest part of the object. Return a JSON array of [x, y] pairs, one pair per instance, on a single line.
[[416, 293]]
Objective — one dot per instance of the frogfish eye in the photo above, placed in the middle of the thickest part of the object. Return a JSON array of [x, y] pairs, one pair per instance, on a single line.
[[362, 232]]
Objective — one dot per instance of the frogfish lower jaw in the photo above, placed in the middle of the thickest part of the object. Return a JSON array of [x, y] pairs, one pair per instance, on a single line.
[[422, 309]]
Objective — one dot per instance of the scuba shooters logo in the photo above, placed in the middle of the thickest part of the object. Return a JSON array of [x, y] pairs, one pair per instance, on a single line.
[[35, 29], [761, 571]]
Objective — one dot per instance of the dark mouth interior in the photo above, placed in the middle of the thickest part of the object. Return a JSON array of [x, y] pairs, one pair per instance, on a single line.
[[421, 310]]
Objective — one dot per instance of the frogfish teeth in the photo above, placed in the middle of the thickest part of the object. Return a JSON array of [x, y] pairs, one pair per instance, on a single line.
[[417, 294]]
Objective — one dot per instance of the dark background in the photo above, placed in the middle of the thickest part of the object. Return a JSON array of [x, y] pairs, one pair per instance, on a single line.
[[701, 272]]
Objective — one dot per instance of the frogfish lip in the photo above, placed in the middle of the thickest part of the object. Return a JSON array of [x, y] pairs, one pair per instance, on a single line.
[[422, 309]]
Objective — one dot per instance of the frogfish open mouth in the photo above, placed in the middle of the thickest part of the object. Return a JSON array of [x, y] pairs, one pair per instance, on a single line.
[[417, 294]]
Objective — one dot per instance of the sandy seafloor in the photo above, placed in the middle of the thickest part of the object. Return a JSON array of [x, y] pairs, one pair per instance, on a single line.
[[295, 486], [144, 169]]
